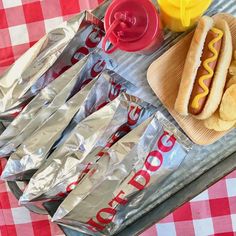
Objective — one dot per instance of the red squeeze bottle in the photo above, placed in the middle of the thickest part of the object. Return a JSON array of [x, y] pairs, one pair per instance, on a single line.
[[132, 26]]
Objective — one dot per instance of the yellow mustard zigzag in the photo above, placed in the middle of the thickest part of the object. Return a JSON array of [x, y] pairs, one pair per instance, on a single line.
[[195, 103]]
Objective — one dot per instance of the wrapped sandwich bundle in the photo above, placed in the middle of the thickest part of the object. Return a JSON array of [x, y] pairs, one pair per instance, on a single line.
[[56, 52]]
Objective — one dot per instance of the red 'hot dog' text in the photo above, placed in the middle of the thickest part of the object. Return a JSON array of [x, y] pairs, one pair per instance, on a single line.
[[139, 181], [133, 117]]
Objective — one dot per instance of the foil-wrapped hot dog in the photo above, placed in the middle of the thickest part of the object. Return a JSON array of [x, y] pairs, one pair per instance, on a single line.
[[30, 155], [47, 59], [108, 87]]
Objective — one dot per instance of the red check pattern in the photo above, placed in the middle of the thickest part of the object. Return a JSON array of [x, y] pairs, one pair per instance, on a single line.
[[213, 212], [22, 23], [16, 220]]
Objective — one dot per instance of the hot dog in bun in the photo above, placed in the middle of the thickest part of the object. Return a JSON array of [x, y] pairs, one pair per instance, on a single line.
[[205, 70]]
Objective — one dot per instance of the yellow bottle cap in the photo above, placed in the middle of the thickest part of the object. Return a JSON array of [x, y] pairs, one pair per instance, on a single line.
[[187, 3], [184, 8]]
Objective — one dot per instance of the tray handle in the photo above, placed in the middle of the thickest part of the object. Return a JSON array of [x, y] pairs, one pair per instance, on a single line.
[[18, 193]]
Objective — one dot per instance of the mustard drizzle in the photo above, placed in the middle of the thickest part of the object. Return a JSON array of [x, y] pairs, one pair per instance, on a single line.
[[195, 103]]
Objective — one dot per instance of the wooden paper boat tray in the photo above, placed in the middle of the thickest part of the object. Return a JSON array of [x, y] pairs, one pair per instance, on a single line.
[[164, 76]]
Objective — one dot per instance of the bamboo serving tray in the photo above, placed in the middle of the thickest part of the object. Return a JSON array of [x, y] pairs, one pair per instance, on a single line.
[[164, 76]]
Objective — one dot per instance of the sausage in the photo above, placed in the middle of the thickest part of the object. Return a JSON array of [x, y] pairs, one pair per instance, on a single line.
[[197, 89]]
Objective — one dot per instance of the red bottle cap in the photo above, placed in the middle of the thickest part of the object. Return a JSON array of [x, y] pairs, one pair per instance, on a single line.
[[131, 25]]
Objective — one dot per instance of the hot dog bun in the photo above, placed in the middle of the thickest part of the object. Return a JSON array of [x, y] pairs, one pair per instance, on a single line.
[[193, 62]]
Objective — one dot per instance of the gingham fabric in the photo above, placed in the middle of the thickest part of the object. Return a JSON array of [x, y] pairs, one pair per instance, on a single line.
[[22, 23], [16, 220], [213, 212]]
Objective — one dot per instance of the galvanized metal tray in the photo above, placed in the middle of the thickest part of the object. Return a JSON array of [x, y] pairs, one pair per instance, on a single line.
[[203, 166]]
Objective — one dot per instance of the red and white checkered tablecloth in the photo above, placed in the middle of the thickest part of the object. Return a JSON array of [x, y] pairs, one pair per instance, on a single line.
[[22, 23], [213, 212], [16, 220]]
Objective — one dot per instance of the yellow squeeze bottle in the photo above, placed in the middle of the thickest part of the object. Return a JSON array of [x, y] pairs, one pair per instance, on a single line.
[[180, 15]]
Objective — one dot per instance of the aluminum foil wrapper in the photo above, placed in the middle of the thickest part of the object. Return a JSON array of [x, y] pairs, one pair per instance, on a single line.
[[68, 163], [33, 116], [47, 59], [122, 181], [108, 87], [9, 116], [34, 150]]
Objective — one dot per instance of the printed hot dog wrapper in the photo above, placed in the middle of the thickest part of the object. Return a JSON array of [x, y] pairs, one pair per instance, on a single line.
[[120, 182], [33, 116], [107, 88], [48, 58], [30, 155], [99, 169], [70, 161]]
